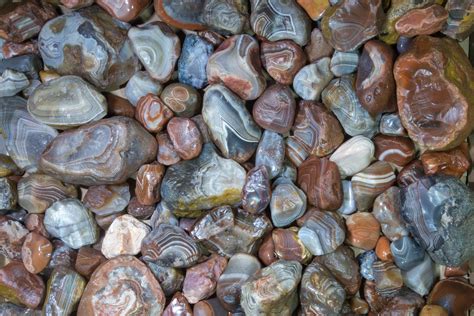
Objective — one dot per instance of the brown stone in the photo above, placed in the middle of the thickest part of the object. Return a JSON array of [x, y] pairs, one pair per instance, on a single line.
[[318, 47], [119, 106], [178, 306], [104, 221], [314, 8], [12, 235], [152, 113], [36, 252], [88, 259], [148, 183], [410, 173], [266, 252], [34, 223], [319, 178], [167, 155], [12, 49], [455, 295], [423, 21], [123, 10], [433, 310], [359, 306], [397, 150], [181, 14], [454, 162], [185, 137], [107, 199], [363, 230], [138, 210], [62, 256], [457, 271], [288, 246], [382, 249]]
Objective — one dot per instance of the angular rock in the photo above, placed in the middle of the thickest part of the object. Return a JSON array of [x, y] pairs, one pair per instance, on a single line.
[[318, 47], [178, 306], [288, 246], [454, 162], [410, 173], [170, 279], [8, 194], [193, 61], [88, 259]]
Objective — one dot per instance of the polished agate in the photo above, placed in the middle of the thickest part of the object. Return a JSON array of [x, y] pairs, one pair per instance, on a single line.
[[363, 230], [8, 194], [105, 200], [454, 162], [423, 21], [91, 44], [386, 209], [87, 260], [166, 155], [344, 63], [182, 99], [170, 279], [152, 113], [140, 85], [193, 61], [236, 64], [406, 253], [185, 137], [459, 24], [388, 278], [358, 146], [310, 81], [36, 252], [124, 10], [157, 47], [226, 16], [318, 47], [348, 205], [12, 82], [67, 102], [182, 14], [105, 152], [396, 150], [271, 153], [288, 203], [148, 182], [230, 124], [282, 60], [256, 192], [288, 246]]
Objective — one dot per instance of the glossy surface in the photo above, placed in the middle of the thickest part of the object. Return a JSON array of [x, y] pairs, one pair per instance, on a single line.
[[36, 252], [288, 203], [423, 21], [140, 85], [386, 210], [396, 150], [363, 230], [185, 137], [282, 60], [193, 61], [124, 10], [107, 199], [183, 100], [358, 146], [271, 153], [152, 113], [310, 81], [256, 192], [148, 182]]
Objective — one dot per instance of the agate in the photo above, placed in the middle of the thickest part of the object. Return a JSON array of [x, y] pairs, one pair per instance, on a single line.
[[139, 85], [288, 203], [182, 14], [271, 153], [256, 191], [227, 16], [310, 81], [193, 61], [282, 60], [360, 147], [124, 10], [183, 100], [344, 63], [12, 82]]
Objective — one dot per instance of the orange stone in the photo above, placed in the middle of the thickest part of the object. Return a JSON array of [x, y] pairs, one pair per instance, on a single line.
[[424, 21], [454, 162], [314, 8], [382, 249], [363, 230], [36, 252]]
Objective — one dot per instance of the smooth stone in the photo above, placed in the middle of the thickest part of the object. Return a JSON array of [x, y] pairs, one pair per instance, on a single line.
[[294, 151], [182, 99], [348, 24], [282, 60], [371, 182], [185, 137], [70, 221], [359, 306], [212, 37], [157, 47], [67, 102], [181, 14], [344, 63], [201, 280], [287, 204], [124, 237], [124, 10], [48, 75], [343, 266], [406, 253], [239, 269], [311, 80], [105, 200], [256, 192], [8, 166], [193, 61], [275, 109], [170, 279], [421, 277], [221, 182], [457, 271], [24, 148], [454, 295], [348, 205], [386, 210], [276, 20], [431, 129], [21, 287], [170, 246], [228, 232], [167, 155], [29, 64], [366, 259], [12, 235], [64, 291], [88, 259], [438, 211], [363, 230], [396, 150], [163, 214], [119, 106], [231, 126], [358, 146], [459, 24], [375, 86], [288, 246], [315, 9], [272, 290], [139, 85], [226, 16], [403, 43], [178, 305], [382, 249], [423, 21], [388, 278], [454, 162], [8, 194], [122, 279], [433, 310], [340, 97], [34, 223], [322, 232], [411, 173], [148, 183], [209, 308], [318, 47], [91, 44], [205, 134], [124, 147], [321, 293], [266, 251], [36, 252], [12, 82], [271, 153], [236, 64], [152, 113]]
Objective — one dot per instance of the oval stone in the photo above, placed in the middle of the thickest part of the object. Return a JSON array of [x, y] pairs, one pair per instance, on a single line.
[[310, 81], [36, 252], [152, 113], [185, 137], [363, 230], [423, 21], [358, 146], [124, 10], [140, 85], [148, 182], [282, 60], [256, 191], [183, 100], [394, 149], [193, 61], [271, 153], [105, 200], [288, 203]]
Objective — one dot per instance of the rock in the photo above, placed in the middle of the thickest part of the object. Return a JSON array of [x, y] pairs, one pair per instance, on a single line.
[[366, 259], [64, 290], [71, 222], [363, 230], [170, 246], [266, 252], [29, 65], [431, 129], [433, 310], [208, 308], [454, 295], [19, 286], [256, 192], [230, 124], [288, 203], [391, 125], [124, 237], [124, 11], [147, 188], [272, 289], [294, 151], [358, 146], [12, 49], [404, 302], [318, 47], [183, 100], [396, 150], [105, 200], [201, 280], [275, 109], [410, 173], [170, 279], [122, 278], [62, 255], [350, 23], [348, 203], [282, 60], [271, 153], [275, 20], [382, 249], [138, 210], [459, 24], [387, 211], [359, 306], [213, 37], [67, 102], [88, 259], [12, 235], [140, 85], [454, 162], [178, 306], [167, 155], [12, 82], [36, 252], [34, 223], [91, 44], [12, 309], [8, 166], [388, 278], [178, 187], [226, 16], [236, 64], [152, 113], [421, 277], [445, 205], [310, 81], [315, 9], [457, 271], [124, 146], [288, 246], [406, 253], [193, 61], [344, 63], [118, 106], [423, 21], [181, 14], [8, 194], [185, 137]]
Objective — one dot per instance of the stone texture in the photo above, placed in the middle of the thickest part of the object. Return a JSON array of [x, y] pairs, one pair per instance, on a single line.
[[454, 162], [396, 150], [454, 295], [363, 230], [459, 24], [140, 85], [282, 60], [423, 21], [315, 9], [36, 252], [344, 63], [288, 246], [358, 146], [12, 235], [271, 153], [124, 10], [182, 99], [152, 113], [226, 16], [185, 137], [167, 155], [287, 204], [105, 200], [180, 13], [310, 81], [318, 47], [147, 187], [256, 192], [88, 259], [387, 211]]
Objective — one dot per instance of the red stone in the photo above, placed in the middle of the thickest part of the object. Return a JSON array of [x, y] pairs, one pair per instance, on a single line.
[[185, 137]]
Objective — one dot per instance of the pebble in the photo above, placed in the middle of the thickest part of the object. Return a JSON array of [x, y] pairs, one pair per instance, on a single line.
[[363, 230], [310, 81], [148, 183], [29, 64], [88, 259], [404, 302], [407, 253], [366, 259], [70, 221], [118, 106], [36, 252], [181, 14], [315, 9], [8, 194], [125, 11], [170, 279], [12, 82], [208, 308], [162, 214], [182, 99], [358, 146], [236, 64], [230, 124], [193, 61], [12, 49], [359, 306], [157, 47], [454, 162], [124, 147], [386, 210], [423, 21], [185, 137], [421, 277], [178, 306], [382, 249], [410, 173], [8, 166], [388, 278], [201, 280], [12, 235], [287, 204], [295, 151], [271, 153], [457, 271], [106, 200], [104, 56], [167, 155], [282, 60], [139, 85], [459, 25], [34, 223], [396, 150], [266, 252], [124, 237], [433, 310], [344, 63], [454, 295], [288, 246], [118, 280], [226, 17], [256, 192], [62, 255], [348, 205], [318, 47]]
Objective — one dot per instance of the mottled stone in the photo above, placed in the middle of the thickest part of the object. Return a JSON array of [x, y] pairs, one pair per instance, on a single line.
[[157, 47], [310, 81], [34, 223], [182, 99], [318, 47], [344, 63], [256, 192], [167, 155], [295, 151], [62, 255], [387, 211], [147, 187], [236, 64], [406, 253], [438, 88], [410, 173], [282, 60], [388, 278], [122, 279], [185, 137], [12, 235], [277, 20], [359, 306], [366, 259], [266, 252], [433, 310], [71, 222], [287, 204], [163, 214], [209, 308], [170, 279], [88, 259], [91, 44], [454, 162], [227, 16], [350, 23], [8, 309], [8, 166], [12, 49], [363, 230], [271, 153], [105, 200], [454, 295], [275, 109], [358, 146], [124, 10], [288, 246], [12, 82], [460, 23], [178, 306], [29, 64], [152, 113], [396, 150], [193, 61], [139, 85], [423, 21], [382, 249], [182, 14], [36, 252], [8, 194]]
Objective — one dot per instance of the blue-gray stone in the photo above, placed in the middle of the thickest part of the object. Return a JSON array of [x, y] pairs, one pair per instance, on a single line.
[[193, 61], [406, 253], [365, 261]]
